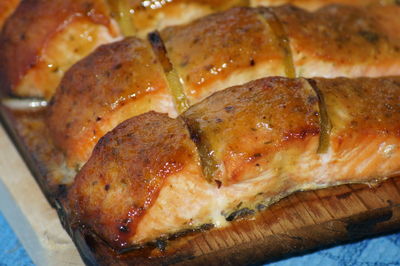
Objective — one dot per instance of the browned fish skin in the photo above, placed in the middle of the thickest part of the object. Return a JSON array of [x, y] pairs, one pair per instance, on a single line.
[[364, 144], [128, 168], [125, 80], [27, 32]]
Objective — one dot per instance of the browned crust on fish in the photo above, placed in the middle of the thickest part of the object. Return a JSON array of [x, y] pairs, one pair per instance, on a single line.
[[129, 165], [213, 47], [32, 25], [241, 128], [125, 80], [343, 36]]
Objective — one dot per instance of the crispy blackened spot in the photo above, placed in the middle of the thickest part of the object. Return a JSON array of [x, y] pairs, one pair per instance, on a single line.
[[174, 81], [325, 123], [229, 108], [124, 176], [239, 214], [160, 51], [370, 36], [281, 37]]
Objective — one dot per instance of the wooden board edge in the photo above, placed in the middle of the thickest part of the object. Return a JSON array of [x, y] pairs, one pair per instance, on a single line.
[[30, 215]]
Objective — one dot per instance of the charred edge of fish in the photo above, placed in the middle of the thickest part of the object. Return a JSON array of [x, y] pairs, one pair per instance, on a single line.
[[239, 214], [325, 123], [209, 165], [173, 79], [270, 18], [162, 242]]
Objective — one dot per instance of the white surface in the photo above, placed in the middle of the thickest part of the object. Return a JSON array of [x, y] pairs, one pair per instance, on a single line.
[[27, 211]]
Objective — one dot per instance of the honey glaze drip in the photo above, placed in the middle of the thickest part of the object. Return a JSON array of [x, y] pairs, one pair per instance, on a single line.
[[273, 22]]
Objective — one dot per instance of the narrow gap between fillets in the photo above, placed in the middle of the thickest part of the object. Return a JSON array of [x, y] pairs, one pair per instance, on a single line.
[[174, 81], [268, 17]]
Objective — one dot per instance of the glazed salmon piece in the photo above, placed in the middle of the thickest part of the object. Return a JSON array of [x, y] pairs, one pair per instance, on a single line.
[[146, 164], [343, 40], [222, 50], [282, 155], [42, 39], [364, 139], [268, 115], [125, 80], [139, 17], [193, 61]]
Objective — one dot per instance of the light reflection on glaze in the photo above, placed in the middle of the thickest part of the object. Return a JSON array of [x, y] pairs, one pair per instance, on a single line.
[[155, 4]]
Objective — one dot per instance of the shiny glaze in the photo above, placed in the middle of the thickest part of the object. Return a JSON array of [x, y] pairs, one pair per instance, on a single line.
[[33, 25], [127, 80]]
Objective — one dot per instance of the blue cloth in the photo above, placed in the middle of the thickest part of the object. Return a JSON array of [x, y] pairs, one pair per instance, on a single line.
[[378, 251], [11, 250]]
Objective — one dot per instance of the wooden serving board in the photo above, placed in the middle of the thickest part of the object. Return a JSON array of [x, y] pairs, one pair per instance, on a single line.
[[301, 222], [29, 213]]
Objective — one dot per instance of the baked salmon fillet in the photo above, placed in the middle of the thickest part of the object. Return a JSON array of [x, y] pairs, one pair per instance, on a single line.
[[139, 17], [179, 66], [42, 39], [125, 80], [312, 5], [237, 151]]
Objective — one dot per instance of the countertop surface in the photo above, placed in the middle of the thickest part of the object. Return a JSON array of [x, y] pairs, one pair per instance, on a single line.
[[384, 250]]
